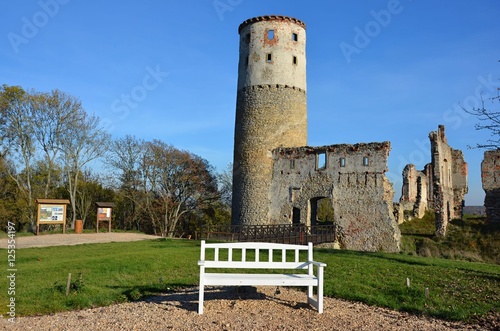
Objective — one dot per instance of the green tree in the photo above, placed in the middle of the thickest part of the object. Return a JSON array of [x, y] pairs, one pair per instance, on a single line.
[[325, 210], [90, 190], [10, 204]]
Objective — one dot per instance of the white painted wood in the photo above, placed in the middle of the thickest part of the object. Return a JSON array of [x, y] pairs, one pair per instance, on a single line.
[[260, 279], [304, 278], [254, 265]]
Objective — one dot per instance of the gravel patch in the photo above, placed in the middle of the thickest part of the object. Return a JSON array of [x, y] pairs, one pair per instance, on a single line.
[[235, 308]]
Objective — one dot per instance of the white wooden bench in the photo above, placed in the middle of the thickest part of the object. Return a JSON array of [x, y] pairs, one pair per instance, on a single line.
[[247, 255]]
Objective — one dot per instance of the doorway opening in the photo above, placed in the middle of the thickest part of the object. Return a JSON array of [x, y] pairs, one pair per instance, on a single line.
[[321, 211]]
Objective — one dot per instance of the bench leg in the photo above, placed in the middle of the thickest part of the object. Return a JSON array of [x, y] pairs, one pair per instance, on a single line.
[[200, 299], [320, 299], [310, 293], [320, 290]]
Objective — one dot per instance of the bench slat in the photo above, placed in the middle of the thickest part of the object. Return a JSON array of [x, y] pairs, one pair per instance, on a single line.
[[260, 279], [253, 265], [254, 245]]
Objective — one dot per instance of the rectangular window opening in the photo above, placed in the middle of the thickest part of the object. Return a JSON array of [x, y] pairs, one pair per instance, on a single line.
[[292, 164], [247, 61], [342, 161], [270, 34], [269, 57], [247, 38], [295, 37], [366, 161], [295, 60], [321, 160]]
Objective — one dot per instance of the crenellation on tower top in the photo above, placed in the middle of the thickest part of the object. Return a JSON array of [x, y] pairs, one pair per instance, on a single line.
[[271, 18]]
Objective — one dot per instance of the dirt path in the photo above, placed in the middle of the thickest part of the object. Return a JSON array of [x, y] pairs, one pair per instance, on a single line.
[[75, 239]]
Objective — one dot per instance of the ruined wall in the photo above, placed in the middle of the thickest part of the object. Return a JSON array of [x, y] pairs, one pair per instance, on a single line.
[[352, 176], [490, 174], [441, 186], [414, 195], [449, 180], [271, 108]]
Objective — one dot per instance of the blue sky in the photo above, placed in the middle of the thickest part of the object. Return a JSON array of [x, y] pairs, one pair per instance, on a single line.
[[376, 70]]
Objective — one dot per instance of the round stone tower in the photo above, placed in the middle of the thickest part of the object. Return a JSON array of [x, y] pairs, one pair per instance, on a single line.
[[271, 109]]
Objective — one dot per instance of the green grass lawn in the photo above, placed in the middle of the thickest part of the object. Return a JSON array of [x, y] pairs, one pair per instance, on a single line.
[[103, 274]]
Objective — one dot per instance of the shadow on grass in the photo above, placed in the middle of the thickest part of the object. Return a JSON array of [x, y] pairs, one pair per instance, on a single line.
[[418, 235]]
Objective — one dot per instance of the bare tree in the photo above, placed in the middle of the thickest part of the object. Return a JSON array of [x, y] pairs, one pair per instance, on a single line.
[[83, 141], [86, 194], [33, 125], [225, 180], [126, 155], [489, 119], [19, 143], [173, 182], [51, 117], [39, 128]]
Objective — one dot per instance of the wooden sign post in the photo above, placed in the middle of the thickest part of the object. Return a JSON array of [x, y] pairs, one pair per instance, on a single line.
[[104, 213], [51, 211]]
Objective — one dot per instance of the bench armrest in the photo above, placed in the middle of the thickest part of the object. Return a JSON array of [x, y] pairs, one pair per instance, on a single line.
[[319, 264], [201, 263]]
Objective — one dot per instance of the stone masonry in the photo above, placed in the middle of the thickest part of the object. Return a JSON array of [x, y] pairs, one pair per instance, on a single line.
[[271, 108], [352, 177], [441, 186], [490, 174], [415, 192]]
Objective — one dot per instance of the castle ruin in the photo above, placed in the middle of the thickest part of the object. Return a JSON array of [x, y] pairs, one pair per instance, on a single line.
[[352, 177], [490, 175], [441, 186], [277, 178]]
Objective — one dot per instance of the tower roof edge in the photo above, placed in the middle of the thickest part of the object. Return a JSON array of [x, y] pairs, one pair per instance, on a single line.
[[271, 18]]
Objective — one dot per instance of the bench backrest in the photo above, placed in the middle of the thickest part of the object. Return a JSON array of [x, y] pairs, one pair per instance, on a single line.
[[248, 255]]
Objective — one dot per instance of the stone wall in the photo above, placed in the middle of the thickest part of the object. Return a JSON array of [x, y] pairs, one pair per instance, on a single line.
[[414, 195], [352, 177], [449, 180], [490, 174], [266, 117], [271, 108], [441, 186], [270, 59]]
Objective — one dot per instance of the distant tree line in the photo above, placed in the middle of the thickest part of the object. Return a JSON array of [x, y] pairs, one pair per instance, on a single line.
[[48, 145]]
